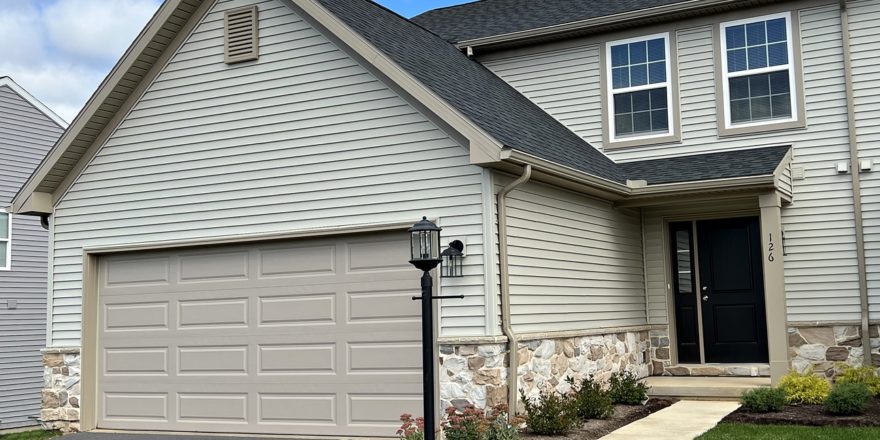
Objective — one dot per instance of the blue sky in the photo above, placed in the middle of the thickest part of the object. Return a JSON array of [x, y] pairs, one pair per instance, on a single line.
[[61, 59], [411, 8]]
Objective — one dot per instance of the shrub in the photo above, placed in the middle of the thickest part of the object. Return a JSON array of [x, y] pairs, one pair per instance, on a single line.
[[848, 399], [412, 428], [552, 414], [763, 400], [591, 401], [473, 423], [863, 375], [626, 389], [805, 388]]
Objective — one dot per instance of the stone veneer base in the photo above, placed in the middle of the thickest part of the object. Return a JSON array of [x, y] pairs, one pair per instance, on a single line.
[[61, 389], [825, 348], [477, 373]]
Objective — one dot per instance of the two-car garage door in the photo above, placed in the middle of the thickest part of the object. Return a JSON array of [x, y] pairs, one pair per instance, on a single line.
[[309, 337]]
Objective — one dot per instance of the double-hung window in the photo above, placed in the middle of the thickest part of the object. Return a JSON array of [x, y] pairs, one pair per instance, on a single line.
[[639, 91], [5, 240], [758, 72]]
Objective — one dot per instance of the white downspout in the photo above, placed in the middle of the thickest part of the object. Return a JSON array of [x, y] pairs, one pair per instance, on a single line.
[[504, 281]]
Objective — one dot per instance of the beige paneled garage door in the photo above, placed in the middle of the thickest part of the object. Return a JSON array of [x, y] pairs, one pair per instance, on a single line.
[[311, 337]]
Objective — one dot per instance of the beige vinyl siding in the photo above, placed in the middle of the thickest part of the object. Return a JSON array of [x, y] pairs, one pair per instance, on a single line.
[[303, 138], [26, 134], [820, 266], [575, 262], [865, 46]]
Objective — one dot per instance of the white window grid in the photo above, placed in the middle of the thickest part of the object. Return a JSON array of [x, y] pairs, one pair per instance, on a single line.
[[611, 91], [725, 75]]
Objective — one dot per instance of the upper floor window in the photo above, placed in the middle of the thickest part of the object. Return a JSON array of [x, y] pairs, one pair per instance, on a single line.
[[758, 76], [5, 240], [639, 92]]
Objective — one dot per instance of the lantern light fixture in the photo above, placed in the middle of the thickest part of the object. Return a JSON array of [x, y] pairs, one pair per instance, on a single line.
[[425, 245], [452, 260]]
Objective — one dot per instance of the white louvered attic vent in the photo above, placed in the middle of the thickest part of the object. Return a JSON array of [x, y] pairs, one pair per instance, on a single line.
[[241, 36]]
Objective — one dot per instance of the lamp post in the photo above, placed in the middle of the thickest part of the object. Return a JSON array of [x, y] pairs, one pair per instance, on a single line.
[[425, 255]]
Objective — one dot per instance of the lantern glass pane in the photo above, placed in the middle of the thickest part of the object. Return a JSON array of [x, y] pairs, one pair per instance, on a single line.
[[434, 250], [416, 245]]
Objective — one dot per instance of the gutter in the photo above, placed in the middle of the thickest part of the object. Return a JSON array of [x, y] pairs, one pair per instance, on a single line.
[[504, 281], [856, 184]]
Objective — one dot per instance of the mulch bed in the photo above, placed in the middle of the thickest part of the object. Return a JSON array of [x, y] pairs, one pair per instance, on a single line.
[[623, 415], [808, 415]]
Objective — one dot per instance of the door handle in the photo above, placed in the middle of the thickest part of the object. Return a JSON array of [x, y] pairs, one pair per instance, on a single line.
[[705, 297], [705, 288]]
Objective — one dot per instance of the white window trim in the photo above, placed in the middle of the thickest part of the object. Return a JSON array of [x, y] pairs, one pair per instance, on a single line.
[[7, 240], [725, 75], [610, 91]]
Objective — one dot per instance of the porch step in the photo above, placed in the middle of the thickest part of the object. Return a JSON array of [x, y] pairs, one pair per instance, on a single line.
[[727, 388]]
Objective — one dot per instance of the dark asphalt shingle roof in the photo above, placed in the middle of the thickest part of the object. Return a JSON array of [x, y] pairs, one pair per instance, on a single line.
[[710, 166], [476, 92], [516, 121], [487, 18]]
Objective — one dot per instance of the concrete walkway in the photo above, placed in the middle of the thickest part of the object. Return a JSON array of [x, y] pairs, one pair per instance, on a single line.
[[684, 420]]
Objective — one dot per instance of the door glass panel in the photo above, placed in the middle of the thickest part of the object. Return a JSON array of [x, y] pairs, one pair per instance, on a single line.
[[683, 257]]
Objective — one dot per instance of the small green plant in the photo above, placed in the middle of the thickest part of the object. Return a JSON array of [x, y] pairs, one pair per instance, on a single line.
[[763, 400], [591, 401], [627, 389], [848, 399], [863, 375], [472, 423], [804, 388], [551, 414], [411, 428]]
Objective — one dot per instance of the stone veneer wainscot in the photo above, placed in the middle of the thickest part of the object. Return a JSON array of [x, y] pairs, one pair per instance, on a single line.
[[477, 373], [61, 389], [824, 348]]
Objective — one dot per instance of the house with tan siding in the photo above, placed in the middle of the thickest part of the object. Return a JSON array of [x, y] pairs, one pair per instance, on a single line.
[[28, 129], [670, 188]]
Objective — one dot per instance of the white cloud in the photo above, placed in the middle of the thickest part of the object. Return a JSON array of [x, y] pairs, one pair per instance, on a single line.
[[96, 30], [61, 50]]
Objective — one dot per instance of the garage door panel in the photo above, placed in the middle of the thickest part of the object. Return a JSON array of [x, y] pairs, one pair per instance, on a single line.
[[316, 337]]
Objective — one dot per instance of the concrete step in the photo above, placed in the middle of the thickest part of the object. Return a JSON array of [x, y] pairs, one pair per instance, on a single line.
[[714, 388]]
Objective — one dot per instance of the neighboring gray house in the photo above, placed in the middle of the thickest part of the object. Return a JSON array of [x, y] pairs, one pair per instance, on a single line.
[[28, 129], [227, 214]]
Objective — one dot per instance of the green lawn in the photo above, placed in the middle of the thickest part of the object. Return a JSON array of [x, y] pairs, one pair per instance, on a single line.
[[736, 431], [37, 434]]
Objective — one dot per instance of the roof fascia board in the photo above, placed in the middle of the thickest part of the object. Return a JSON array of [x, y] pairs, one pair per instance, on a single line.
[[36, 203], [686, 6], [661, 194], [8, 82], [567, 173], [482, 146], [104, 90], [135, 96]]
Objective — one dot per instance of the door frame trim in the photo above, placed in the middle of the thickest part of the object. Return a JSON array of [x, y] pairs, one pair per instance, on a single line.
[[667, 262], [90, 329]]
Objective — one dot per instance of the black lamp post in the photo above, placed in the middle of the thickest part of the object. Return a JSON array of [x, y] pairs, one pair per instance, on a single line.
[[425, 255]]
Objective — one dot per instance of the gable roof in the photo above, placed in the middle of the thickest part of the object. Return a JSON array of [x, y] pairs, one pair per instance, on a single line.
[[487, 111], [499, 22], [8, 82], [708, 166], [487, 100]]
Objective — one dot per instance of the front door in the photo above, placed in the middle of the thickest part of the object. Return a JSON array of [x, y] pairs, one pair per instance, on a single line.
[[729, 291]]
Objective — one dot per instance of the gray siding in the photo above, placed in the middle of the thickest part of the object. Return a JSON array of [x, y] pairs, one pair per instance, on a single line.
[[26, 135], [820, 267], [575, 262], [865, 42], [303, 138]]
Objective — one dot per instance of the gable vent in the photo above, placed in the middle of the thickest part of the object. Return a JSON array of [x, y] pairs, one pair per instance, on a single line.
[[241, 35]]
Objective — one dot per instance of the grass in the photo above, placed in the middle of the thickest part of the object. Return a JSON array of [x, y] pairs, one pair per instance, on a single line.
[[37, 434], [736, 431]]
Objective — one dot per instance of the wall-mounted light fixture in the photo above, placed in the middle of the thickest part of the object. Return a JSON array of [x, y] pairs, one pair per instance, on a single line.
[[451, 267]]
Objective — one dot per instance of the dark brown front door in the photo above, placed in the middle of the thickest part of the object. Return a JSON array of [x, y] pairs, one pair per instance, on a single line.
[[729, 291]]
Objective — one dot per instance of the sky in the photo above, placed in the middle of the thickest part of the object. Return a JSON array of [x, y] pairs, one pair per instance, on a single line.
[[60, 58]]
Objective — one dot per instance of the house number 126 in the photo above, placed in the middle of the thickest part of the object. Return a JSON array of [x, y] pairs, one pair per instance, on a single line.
[[770, 248]]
